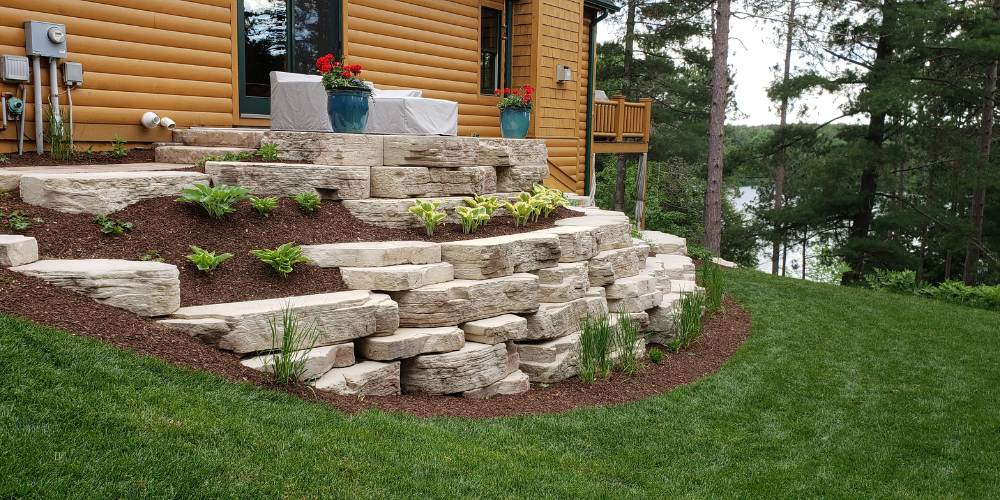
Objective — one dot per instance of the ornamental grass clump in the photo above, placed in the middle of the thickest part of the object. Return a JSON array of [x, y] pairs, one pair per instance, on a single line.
[[688, 321], [625, 336], [217, 201], [712, 280], [282, 259], [428, 214], [595, 355], [291, 346], [205, 260]]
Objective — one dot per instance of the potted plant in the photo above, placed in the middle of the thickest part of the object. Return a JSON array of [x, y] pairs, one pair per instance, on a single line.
[[347, 95], [515, 110]]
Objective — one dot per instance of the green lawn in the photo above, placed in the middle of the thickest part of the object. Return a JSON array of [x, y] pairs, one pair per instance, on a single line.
[[838, 392]]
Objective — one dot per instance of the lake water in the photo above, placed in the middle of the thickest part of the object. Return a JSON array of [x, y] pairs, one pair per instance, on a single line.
[[746, 197]]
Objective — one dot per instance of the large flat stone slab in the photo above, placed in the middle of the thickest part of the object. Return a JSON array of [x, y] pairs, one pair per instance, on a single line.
[[430, 151], [330, 182], [144, 288], [675, 267], [326, 148], [630, 287], [611, 265], [211, 136], [189, 155], [521, 177], [316, 361], [501, 255], [551, 361], [368, 378], [496, 330], [515, 383], [339, 317], [206, 330], [500, 152], [422, 182], [576, 243], [17, 250], [563, 283], [472, 367], [393, 212], [663, 317], [664, 243], [396, 278], [636, 304], [558, 320], [610, 232], [373, 254], [410, 342], [102, 193], [460, 301]]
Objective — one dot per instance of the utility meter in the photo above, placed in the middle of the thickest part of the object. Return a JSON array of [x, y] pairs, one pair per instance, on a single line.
[[45, 39]]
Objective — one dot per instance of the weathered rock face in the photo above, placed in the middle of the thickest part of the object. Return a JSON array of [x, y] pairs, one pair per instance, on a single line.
[[515, 383], [559, 320], [501, 255], [395, 278], [386, 314], [207, 330], [551, 361], [663, 243], [610, 232], [430, 151], [339, 317], [235, 137], [102, 193], [330, 182], [499, 152], [521, 177], [636, 304], [410, 342], [315, 362], [630, 287], [392, 212], [675, 267], [413, 182], [16, 250], [576, 243], [144, 288], [662, 319], [563, 283], [460, 301], [373, 254], [472, 367], [496, 330], [611, 265], [190, 155], [327, 149], [368, 378]]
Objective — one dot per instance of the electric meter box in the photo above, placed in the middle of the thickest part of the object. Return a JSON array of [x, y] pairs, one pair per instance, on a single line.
[[45, 39], [14, 69], [72, 73]]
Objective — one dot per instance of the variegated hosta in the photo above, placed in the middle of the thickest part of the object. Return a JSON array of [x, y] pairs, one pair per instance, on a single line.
[[472, 218], [428, 213]]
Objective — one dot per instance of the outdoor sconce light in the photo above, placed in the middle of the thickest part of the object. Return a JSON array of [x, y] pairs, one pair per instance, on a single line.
[[564, 74]]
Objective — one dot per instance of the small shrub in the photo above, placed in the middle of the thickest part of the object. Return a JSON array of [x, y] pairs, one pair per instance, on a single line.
[[282, 259], [18, 221], [308, 202], [217, 201], [264, 205], [118, 147], [956, 292], [625, 337], [656, 355], [688, 321], [595, 356], [206, 261], [472, 218], [700, 253], [712, 280], [291, 346], [428, 213], [113, 227], [892, 281], [268, 151], [152, 255]]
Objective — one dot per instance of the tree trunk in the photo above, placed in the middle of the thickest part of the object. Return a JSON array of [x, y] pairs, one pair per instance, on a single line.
[[805, 243], [716, 122], [979, 191], [620, 184], [629, 79], [778, 199]]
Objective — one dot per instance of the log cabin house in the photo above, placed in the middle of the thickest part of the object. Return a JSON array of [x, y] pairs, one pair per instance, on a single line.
[[206, 63]]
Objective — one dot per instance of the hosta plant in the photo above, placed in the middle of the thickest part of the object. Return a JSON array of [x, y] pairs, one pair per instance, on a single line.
[[489, 203], [282, 259], [549, 199], [111, 226], [520, 211], [217, 201], [205, 260], [268, 151], [264, 205], [18, 221], [472, 218], [308, 202], [428, 213]]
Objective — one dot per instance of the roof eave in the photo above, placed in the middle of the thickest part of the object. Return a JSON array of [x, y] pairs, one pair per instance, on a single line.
[[605, 5]]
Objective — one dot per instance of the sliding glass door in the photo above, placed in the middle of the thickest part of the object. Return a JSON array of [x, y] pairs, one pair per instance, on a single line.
[[282, 35]]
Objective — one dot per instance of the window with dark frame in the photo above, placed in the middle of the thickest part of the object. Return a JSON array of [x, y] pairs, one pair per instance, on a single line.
[[490, 41]]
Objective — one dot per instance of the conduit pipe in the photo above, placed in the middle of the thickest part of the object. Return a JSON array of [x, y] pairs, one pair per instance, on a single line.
[[36, 68], [149, 120], [167, 123], [54, 89]]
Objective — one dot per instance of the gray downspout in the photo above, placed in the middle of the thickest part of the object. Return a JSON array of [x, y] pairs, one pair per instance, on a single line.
[[591, 84], [508, 43]]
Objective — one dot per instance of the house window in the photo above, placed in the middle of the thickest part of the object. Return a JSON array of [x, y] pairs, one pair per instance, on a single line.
[[490, 40]]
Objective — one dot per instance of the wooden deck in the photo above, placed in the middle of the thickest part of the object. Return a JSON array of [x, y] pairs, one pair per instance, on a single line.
[[621, 126]]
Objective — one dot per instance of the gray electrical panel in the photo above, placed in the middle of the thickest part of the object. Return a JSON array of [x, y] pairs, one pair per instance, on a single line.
[[14, 69], [45, 39], [72, 73]]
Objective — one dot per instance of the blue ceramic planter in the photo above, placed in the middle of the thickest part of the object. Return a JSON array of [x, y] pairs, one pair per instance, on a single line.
[[514, 122], [348, 110]]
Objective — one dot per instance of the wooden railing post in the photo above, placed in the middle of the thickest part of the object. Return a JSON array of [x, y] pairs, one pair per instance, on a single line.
[[619, 117], [647, 118]]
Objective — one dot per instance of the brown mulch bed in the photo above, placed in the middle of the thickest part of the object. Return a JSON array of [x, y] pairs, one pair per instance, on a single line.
[[32, 159], [168, 228], [37, 301]]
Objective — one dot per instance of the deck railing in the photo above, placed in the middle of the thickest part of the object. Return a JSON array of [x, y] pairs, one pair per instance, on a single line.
[[621, 121]]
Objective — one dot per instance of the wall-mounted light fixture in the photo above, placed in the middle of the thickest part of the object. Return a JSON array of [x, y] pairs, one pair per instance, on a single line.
[[564, 73]]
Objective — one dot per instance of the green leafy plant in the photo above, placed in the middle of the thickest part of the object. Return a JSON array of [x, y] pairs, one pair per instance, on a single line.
[[472, 218], [152, 255], [956, 292], [624, 338], [308, 202], [291, 345], [264, 205], [520, 211], [118, 147], [18, 221], [595, 356], [547, 200], [488, 203], [229, 156], [428, 213], [712, 280], [655, 355], [268, 151], [282, 259], [206, 261], [217, 201], [688, 321], [3, 159], [58, 138], [892, 281], [111, 226]]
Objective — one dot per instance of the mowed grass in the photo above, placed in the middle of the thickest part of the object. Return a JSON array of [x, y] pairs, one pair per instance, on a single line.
[[838, 392]]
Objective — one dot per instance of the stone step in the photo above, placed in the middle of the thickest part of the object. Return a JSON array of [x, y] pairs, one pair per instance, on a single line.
[[10, 177], [563, 283], [664, 244], [550, 361], [144, 288], [367, 378], [576, 243], [675, 266], [422, 182], [430, 151], [561, 319], [610, 265], [410, 342], [631, 287], [339, 317], [373, 254], [496, 330], [229, 137], [393, 212], [316, 361], [396, 278], [499, 152], [102, 193], [193, 154], [515, 383], [327, 149], [17, 250], [610, 232], [472, 367], [501, 255], [460, 301], [330, 182]]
